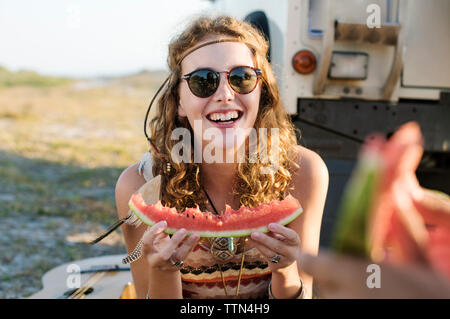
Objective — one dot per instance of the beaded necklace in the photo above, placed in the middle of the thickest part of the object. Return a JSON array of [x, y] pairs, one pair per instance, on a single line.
[[223, 249]]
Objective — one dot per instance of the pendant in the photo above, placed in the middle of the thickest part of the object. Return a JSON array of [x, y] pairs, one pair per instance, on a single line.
[[222, 248]]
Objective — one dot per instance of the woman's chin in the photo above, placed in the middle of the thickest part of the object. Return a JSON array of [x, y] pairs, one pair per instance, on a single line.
[[221, 150]]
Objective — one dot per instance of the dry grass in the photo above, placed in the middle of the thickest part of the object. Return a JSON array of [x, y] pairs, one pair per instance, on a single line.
[[62, 148]]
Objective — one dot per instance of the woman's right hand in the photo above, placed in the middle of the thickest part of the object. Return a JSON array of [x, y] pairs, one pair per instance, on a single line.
[[162, 251]]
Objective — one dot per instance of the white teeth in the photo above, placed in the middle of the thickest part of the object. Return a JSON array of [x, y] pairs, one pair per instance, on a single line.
[[223, 116]]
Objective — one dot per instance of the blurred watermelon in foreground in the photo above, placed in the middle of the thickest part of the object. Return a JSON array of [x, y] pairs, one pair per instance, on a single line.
[[385, 214]]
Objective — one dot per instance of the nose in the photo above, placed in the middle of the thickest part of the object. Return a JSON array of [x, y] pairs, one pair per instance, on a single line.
[[224, 92]]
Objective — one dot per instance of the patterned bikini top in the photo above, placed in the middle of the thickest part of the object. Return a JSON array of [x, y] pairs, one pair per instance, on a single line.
[[202, 276]]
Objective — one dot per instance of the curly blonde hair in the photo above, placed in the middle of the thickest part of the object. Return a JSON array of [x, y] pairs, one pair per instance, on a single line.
[[181, 186]]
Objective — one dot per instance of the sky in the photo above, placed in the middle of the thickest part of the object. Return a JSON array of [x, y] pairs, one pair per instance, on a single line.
[[83, 38]]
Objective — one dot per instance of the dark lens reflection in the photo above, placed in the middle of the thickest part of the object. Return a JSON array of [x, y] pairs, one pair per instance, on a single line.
[[203, 83], [243, 79]]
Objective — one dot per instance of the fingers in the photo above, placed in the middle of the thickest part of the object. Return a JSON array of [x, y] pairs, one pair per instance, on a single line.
[[170, 247], [185, 248], [154, 232], [267, 244], [266, 251], [290, 236], [281, 241], [163, 252], [179, 247]]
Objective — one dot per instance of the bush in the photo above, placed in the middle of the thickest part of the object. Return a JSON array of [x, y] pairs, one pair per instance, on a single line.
[[29, 78]]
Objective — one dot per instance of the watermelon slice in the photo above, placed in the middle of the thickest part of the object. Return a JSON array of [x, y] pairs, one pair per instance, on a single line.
[[232, 223], [350, 235], [385, 214]]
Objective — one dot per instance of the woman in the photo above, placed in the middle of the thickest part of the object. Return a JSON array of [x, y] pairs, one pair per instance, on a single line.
[[221, 82]]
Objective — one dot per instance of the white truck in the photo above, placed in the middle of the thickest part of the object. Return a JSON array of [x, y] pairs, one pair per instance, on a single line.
[[347, 68]]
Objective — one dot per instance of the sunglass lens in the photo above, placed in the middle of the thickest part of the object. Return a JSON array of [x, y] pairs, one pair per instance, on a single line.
[[243, 79], [203, 83]]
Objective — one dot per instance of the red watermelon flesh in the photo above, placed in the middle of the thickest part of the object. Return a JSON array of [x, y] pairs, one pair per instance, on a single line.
[[403, 227], [413, 231], [232, 223], [405, 232]]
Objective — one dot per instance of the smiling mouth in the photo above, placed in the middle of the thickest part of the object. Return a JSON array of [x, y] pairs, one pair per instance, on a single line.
[[225, 118]]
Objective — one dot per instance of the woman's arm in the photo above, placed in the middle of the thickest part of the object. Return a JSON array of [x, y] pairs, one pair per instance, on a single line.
[[310, 186], [166, 284], [340, 276]]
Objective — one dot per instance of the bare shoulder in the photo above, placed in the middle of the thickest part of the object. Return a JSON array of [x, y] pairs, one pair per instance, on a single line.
[[128, 182], [309, 185], [312, 168], [310, 180]]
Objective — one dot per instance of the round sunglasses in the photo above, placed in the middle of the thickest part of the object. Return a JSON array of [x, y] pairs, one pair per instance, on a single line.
[[204, 82]]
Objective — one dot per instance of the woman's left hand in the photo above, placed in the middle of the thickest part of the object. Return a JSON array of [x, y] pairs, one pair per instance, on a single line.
[[280, 246]]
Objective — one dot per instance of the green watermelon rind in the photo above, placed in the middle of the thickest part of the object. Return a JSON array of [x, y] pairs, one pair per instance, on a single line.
[[228, 233], [350, 234]]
